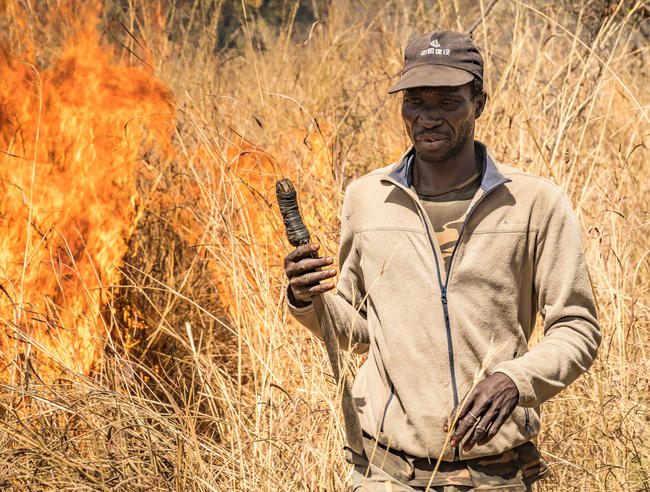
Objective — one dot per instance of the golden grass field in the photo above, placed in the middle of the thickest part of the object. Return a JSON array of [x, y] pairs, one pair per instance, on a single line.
[[145, 342]]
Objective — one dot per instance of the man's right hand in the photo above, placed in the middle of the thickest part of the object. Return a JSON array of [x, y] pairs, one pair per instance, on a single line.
[[306, 272]]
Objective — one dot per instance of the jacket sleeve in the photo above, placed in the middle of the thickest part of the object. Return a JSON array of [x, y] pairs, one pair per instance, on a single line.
[[565, 300], [347, 306]]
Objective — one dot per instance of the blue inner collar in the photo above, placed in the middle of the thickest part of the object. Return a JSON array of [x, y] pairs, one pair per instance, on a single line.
[[490, 175]]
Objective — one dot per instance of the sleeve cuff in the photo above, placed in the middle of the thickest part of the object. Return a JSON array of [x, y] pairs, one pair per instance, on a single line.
[[291, 304]]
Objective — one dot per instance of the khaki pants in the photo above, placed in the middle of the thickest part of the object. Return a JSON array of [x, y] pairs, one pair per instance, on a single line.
[[380, 481]]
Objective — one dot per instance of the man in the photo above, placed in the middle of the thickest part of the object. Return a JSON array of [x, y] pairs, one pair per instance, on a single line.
[[445, 259]]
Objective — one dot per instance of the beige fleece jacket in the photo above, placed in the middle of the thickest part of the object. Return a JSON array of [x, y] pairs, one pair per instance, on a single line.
[[428, 332]]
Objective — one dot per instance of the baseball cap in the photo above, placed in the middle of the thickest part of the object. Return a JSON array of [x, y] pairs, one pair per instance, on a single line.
[[439, 58]]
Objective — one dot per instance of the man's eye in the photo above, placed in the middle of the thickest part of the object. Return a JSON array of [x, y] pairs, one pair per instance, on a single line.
[[414, 100], [448, 103]]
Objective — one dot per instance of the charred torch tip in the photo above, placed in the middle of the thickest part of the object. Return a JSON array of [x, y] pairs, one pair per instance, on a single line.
[[284, 186]]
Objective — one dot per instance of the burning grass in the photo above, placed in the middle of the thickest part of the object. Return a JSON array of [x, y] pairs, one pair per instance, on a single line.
[[69, 136], [144, 340]]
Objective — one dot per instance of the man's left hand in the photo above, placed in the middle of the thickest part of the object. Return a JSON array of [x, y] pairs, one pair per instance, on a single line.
[[488, 406]]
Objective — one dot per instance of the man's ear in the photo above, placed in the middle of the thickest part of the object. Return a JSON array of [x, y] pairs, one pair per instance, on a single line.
[[480, 101]]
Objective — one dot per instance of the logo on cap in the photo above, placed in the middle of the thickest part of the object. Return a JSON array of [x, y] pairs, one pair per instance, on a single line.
[[435, 50]]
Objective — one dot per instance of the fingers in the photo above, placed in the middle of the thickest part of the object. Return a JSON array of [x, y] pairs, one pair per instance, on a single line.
[[311, 280], [461, 407], [465, 424], [307, 265], [488, 407], [306, 286], [305, 293], [302, 251], [486, 428], [480, 430], [306, 273], [493, 429], [466, 413]]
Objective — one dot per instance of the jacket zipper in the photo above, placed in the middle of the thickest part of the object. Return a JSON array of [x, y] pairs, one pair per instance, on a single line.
[[445, 311], [443, 287], [443, 295], [443, 290], [390, 397]]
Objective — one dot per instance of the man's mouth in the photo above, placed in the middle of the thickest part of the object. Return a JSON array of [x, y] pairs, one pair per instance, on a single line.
[[431, 137], [431, 141]]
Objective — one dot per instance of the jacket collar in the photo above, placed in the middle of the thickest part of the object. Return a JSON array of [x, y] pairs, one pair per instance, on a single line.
[[402, 174]]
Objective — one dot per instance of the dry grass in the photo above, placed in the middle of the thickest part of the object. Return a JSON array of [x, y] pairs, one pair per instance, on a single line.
[[206, 384]]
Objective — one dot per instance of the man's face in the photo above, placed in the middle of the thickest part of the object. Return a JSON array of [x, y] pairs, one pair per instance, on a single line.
[[440, 120]]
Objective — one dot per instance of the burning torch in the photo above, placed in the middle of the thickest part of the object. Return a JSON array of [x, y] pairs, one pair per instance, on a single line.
[[298, 234]]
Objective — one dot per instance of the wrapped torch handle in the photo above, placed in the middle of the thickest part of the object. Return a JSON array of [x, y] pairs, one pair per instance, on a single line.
[[298, 234]]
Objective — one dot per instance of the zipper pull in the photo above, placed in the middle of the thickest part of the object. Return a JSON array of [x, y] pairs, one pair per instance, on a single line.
[[443, 298]]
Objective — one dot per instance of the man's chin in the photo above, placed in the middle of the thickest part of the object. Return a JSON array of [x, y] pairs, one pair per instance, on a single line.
[[442, 154], [434, 157]]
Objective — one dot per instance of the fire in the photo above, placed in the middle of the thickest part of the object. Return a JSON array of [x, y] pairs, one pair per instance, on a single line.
[[69, 142]]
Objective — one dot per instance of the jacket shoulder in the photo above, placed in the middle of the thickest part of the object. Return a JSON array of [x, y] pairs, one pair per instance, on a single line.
[[526, 182], [369, 182], [363, 197], [541, 196]]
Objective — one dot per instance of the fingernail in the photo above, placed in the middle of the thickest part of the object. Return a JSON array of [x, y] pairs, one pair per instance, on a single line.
[[314, 246], [453, 443], [332, 271]]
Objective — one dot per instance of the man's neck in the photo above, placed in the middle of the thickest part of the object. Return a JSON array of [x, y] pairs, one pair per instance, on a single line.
[[433, 176]]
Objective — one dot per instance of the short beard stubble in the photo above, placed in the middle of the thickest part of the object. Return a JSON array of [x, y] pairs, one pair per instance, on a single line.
[[464, 134]]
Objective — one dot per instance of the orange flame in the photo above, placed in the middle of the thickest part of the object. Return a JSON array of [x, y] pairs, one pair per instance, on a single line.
[[69, 141], [70, 137]]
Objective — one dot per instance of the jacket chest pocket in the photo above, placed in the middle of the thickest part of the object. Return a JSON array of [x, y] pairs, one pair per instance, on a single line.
[[497, 261], [393, 257]]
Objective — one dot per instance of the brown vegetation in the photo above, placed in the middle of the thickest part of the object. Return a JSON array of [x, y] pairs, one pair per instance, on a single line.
[[201, 381]]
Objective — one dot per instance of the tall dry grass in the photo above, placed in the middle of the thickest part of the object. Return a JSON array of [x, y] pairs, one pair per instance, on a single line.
[[206, 383]]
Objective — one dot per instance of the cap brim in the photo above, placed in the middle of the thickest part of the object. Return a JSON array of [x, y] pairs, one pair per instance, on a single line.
[[427, 75]]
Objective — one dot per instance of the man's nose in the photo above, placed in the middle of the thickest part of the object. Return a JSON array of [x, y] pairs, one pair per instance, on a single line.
[[429, 118]]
